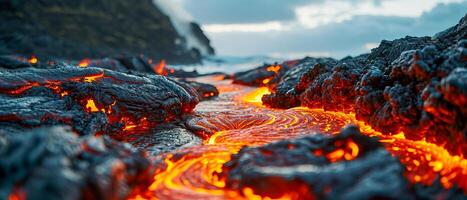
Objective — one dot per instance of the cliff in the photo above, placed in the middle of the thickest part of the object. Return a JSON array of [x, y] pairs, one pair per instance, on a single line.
[[71, 29]]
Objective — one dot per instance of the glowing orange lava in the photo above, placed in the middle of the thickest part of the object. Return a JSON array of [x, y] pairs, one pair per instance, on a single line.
[[84, 62], [91, 106], [33, 59], [237, 119], [255, 95], [274, 68], [160, 68]]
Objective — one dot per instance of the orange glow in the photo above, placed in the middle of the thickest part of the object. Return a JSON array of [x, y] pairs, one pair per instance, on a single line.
[[17, 194], [210, 94], [266, 80], [274, 68], [256, 95], [160, 68], [91, 106], [129, 127], [64, 93], [33, 59], [84, 63], [23, 88], [93, 78], [349, 152], [236, 121]]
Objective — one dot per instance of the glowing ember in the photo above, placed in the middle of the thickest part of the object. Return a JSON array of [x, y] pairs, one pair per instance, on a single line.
[[91, 106], [274, 68], [265, 81], [349, 152], [84, 62], [93, 78], [33, 60], [160, 68]]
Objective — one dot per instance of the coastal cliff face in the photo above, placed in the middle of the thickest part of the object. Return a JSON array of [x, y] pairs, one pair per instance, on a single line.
[[69, 29]]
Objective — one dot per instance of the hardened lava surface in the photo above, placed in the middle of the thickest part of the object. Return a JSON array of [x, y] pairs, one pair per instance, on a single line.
[[236, 119], [54, 163], [91, 100], [415, 85], [411, 85], [347, 165]]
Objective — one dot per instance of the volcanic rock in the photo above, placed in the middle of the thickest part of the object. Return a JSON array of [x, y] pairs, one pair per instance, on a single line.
[[91, 100], [205, 91], [54, 163], [348, 165], [57, 29], [420, 92], [345, 166]]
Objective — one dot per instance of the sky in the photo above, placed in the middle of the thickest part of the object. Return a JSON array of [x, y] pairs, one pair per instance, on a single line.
[[334, 28]]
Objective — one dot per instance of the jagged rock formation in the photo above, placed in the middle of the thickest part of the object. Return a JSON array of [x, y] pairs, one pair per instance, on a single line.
[[413, 85], [53, 163], [348, 165], [52, 29]]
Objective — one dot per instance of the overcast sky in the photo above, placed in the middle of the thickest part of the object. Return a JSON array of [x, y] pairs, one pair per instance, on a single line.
[[294, 28]]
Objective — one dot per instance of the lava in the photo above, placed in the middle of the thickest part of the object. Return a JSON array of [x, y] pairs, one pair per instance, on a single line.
[[33, 59], [237, 119], [84, 63], [274, 68], [160, 68]]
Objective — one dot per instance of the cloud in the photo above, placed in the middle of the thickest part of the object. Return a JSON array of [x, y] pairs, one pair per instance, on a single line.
[[250, 27], [242, 11], [349, 37], [332, 11]]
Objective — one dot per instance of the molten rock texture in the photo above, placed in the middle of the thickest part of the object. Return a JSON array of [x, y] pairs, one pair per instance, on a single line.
[[414, 85], [344, 166], [55, 164]]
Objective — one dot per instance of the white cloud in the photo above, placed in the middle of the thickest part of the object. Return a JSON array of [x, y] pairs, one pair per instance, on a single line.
[[332, 11], [364, 24], [253, 27]]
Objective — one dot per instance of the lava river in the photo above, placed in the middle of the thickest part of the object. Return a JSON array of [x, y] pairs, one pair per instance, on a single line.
[[236, 118]]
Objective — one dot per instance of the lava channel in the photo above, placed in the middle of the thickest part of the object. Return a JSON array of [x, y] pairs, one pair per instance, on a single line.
[[236, 119]]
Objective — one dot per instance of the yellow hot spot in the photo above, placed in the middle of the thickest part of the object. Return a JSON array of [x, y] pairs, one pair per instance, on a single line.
[[265, 81], [33, 60], [255, 96], [274, 68], [91, 106], [335, 155]]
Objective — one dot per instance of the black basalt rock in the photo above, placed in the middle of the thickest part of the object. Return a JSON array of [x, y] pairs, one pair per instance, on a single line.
[[303, 166], [54, 163], [411, 85], [91, 100]]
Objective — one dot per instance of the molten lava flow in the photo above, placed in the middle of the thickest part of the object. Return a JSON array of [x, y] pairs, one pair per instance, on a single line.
[[274, 68], [91, 106], [265, 81], [160, 68], [348, 152], [33, 59], [84, 63], [237, 119], [255, 96]]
